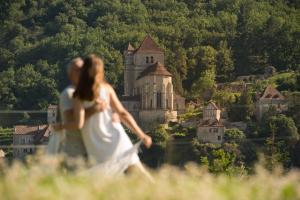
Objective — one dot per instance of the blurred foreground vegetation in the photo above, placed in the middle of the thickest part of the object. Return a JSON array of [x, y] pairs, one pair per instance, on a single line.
[[47, 181]]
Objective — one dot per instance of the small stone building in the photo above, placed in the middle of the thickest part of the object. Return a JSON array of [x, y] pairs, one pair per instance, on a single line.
[[269, 97], [52, 114], [148, 89], [29, 137], [210, 129]]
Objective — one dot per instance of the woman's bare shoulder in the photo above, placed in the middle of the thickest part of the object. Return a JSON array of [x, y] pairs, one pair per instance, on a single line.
[[107, 86]]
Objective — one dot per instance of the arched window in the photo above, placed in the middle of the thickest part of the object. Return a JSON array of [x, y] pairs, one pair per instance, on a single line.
[[147, 59], [158, 100], [152, 59]]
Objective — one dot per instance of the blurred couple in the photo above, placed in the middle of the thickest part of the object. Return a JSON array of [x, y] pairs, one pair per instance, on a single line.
[[91, 119]]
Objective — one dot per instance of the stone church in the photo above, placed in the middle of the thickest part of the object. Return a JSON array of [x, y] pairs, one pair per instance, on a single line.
[[148, 89]]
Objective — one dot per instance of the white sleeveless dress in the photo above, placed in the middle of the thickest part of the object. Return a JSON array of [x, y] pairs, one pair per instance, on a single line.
[[106, 141]]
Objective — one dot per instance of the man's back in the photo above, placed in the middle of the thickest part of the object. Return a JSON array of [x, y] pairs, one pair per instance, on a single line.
[[73, 146]]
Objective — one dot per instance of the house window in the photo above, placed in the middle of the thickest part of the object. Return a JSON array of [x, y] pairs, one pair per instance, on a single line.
[[219, 137], [158, 99], [152, 59], [151, 104], [213, 130], [147, 59]]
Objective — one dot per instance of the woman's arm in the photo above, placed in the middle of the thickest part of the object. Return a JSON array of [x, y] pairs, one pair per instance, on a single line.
[[127, 118], [78, 118]]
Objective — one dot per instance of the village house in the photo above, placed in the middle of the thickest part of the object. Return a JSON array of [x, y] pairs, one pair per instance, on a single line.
[[211, 129], [29, 137], [270, 97], [52, 114], [148, 89]]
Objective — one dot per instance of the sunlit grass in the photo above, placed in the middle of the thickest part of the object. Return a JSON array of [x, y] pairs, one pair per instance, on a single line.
[[48, 181]]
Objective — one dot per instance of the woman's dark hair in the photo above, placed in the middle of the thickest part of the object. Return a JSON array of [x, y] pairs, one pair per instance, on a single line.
[[92, 74]]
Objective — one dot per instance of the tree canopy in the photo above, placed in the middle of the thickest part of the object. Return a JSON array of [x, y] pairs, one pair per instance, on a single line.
[[201, 39]]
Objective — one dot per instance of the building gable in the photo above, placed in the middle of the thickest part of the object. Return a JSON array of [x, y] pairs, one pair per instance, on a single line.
[[271, 93], [147, 45]]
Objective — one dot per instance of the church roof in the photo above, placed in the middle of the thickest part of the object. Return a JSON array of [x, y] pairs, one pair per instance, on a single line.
[[130, 47], [148, 44], [155, 69], [271, 93]]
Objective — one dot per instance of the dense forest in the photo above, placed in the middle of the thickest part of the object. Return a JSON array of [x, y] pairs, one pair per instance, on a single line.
[[204, 41]]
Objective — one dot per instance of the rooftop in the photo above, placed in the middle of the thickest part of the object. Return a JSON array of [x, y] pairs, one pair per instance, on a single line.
[[130, 47], [148, 44], [155, 69], [271, 93], [40, 132]]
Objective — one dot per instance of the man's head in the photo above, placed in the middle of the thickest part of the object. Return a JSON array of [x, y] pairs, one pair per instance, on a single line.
[[74, 70]]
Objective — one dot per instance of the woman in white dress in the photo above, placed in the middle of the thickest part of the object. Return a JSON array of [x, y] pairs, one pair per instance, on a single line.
[[104, 138]]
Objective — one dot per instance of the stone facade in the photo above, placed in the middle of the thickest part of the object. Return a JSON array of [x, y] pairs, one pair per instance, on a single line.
[[210, 129], [29, 137], [270, 97], [148, 89], [52, 114]]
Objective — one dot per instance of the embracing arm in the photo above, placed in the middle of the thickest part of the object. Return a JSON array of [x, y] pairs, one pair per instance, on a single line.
[[127, 118], [97, 107], [78, 118]]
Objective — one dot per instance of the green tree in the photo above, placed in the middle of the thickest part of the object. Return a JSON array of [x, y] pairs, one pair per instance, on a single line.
[[205, 84], [225, 64], [7, 83], [234, 135], [243, 108]]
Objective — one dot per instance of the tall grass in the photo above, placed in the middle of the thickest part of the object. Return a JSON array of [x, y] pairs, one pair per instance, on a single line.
[[45, 180]]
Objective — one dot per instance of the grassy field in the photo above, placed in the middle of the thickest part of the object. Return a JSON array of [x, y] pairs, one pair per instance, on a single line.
[[43, 181]]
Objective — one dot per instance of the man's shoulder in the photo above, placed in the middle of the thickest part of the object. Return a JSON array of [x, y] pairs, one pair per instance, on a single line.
[[68, 92], [65, 99]]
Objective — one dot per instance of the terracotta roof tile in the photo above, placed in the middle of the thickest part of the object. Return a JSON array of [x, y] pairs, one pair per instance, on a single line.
[[271, 93], [39, 132], [148, 44], [155, 69]]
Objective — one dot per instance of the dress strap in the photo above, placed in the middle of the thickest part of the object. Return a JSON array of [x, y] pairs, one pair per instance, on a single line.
[[103, 94]]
